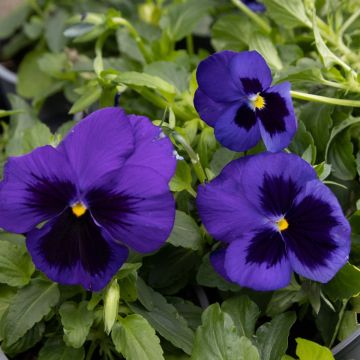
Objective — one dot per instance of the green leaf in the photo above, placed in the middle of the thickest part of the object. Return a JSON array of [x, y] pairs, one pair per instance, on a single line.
[[127, 45], [207, 276], [173, 73], [55, 349], [272, 337], [206, 146], [348, 325], [76, 320], [345, 284], [133, 78], [7, 295], [231, 32], [317, 120], [181, 19], [163, 317], [182, 178], [5, 113], [92, 93], [55, 26], [244, 313], [29, 306], [192, 313], [36, 136], [185, 232], [288, 13], [16, 266], [32, 82], [14, 20], [135, 339], [29, 340], [306, 350], [217, 338], [220, 159], [303, 141], [265, 46]]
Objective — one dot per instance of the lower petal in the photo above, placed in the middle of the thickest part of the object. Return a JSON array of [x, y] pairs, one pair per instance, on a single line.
[[72, 250], [237, 128], [135, 206], [277, 119], [258, 261], [318, 237]]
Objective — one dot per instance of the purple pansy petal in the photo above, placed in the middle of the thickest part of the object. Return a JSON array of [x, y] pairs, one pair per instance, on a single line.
[[208, 109], [280, 168], [73, 251], [217, 259], [153, 148], [254, 5], [277, 119], [99, 144], [318, 237], [237, 215], [250, 68], [258, 261], [215, 80], [135, 206], [237, 128], [36, 187]]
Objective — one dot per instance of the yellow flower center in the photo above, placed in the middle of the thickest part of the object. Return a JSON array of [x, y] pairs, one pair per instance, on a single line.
[[78, 209], [258, 102], [282, 224]]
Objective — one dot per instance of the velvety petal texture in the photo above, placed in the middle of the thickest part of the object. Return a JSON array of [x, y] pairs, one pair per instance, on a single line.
[[236, 98], [103, 190], [276, 217]]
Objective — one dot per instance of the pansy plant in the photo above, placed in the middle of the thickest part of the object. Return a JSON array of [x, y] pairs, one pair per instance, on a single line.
[[103, 190], [273, 216], [235, 97]]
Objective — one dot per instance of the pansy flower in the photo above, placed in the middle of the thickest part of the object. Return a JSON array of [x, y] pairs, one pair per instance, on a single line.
[[254, 5], [235, 97], [103, 190], [273, 216]]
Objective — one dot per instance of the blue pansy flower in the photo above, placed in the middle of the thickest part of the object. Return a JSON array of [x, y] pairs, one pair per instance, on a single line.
[[103, 190], [254, 5], [235, 97], [273, 216]]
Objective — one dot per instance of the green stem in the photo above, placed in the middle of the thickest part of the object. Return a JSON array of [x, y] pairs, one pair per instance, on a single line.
[[163, 104], [324, 99], [135, 35], [91, 350], [194, 157], [253, 16], [341, 315], [191, 191], [190, 44], [349, 22]]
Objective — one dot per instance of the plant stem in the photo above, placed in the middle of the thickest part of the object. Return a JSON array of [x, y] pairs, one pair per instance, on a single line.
[[341, 314], [253, 16], [91, 350], [190, 44], [324, 99], [349, 22]]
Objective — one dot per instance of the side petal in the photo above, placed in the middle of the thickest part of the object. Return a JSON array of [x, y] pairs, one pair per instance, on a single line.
[[258, 261], [237, 128], [135, 206], [208, 109], [153, 148], [252, 67], [223, 209], [272, 180], [278, 123], [73, 251], [215, 79], [36, 187], [318, 236], [217, 259], [99, 144]]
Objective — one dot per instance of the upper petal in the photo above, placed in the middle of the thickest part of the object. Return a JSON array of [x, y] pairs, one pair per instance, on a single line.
[[318, 236], [36, 187], [271, 181], [99, 144], [215, 79], [135, 206], [153, 148], [250, 68], [237, 128], [72, 251], [258, 261], [254, 5], [277, 119]]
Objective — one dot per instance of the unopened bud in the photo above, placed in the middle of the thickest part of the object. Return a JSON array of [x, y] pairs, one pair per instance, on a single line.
[[111, 305]]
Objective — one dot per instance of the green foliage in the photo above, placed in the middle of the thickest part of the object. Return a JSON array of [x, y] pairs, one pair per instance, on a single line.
[[309, 350]]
